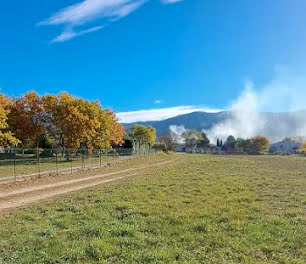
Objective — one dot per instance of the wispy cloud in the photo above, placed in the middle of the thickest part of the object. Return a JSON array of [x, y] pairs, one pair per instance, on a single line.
[[171, 1], [161, 113], [76, 16], [158, 101], [70, 34]]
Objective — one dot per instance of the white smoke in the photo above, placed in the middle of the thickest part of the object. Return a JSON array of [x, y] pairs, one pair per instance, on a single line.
[[286, 91], [177, 133]]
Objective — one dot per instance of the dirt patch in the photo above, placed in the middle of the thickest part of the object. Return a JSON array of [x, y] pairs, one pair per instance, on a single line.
[[15, 198]]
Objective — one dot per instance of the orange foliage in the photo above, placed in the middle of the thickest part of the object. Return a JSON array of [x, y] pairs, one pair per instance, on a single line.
[[70, 121], [26, 118], [302, 150], [82, 122]]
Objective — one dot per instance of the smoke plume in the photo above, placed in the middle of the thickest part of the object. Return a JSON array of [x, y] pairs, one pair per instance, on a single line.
[[177, 133], [254, 112]]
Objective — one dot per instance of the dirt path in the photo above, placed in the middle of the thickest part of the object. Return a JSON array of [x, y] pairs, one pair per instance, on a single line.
[[4, 180], [18, 198]]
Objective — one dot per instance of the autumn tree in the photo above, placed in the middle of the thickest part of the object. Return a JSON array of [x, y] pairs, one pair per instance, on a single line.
[[75, 122], [61, 120], [259, 144], [6, 137], [67, 123], [26, 119], [108, 131], [102, 127], [302, 150]]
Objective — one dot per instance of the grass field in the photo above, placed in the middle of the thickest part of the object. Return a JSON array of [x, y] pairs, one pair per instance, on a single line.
[[205, 209], [46, 165]]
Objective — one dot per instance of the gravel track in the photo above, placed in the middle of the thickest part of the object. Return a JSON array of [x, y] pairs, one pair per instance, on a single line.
[[12, 199]]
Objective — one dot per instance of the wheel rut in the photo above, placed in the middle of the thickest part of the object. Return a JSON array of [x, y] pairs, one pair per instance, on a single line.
[[10, 200]]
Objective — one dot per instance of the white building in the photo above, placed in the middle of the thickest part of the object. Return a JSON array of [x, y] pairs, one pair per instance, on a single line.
[[285, 146]]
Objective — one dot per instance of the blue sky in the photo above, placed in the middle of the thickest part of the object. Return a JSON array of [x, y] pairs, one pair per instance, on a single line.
[[148, 54]]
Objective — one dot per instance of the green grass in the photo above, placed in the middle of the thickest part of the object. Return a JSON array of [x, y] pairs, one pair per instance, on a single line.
[[206, 209], [30, 166]]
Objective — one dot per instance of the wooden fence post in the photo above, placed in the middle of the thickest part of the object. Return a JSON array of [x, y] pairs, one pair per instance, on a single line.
[[71, 170], [38, 161], [83, 165], [56, 161], [15, 174]]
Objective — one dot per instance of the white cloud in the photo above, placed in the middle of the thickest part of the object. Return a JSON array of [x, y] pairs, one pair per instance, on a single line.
[[161, 113], [88, 11], [158, 101]]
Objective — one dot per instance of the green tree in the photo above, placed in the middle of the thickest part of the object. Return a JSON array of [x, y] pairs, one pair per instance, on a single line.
[[243, 145], [204, 142], [143, 136], [229, 145], [192, 138]]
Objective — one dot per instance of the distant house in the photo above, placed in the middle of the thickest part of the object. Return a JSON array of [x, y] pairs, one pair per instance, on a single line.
[[180, 148], [285, 146], [204, 150], [195, 149]]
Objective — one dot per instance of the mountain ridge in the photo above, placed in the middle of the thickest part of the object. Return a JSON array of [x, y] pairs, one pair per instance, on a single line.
[[277, 124]]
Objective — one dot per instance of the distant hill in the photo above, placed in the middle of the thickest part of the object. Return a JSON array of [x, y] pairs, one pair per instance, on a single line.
[[276, 125], [195, 120]]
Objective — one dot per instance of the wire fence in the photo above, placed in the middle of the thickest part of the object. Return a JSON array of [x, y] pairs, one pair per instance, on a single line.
[[17, 164]]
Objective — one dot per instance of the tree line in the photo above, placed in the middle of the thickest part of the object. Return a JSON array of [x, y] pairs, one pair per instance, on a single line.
[[254, 145], [60, 120], [52, 121], [194, 139]]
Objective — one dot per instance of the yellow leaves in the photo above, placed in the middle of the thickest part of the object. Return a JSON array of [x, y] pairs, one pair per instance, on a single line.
[[143, 135], [49, 102], [260, 144], [70, 121], [302, 150], [83, 122], [65, 116], [4, 105], [6, 138], [151, 135], [3, 118], [108, 131]]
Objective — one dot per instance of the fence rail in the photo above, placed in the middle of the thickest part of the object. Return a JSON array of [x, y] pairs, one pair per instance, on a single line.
[[17, 164]]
